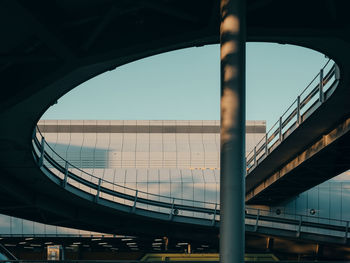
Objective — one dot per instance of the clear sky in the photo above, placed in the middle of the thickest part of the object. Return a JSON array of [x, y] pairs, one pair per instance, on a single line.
[[185, 85]]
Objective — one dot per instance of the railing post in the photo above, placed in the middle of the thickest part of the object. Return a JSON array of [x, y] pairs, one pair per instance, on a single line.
[[299, 226], [346, 232], [280, 130], [255, 156], [42, 152], [321, 87], [298, 111], [257, 221], [34, 133], [266, 144], [65, 175], [172, 210], [135, 202], [97, 197], [214, 215], [336, 72]]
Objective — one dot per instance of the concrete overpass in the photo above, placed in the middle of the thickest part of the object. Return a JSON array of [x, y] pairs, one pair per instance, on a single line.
[[175, 213], [49, 48]]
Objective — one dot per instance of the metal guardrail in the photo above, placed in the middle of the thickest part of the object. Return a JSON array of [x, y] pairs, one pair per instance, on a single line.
[[294, 116], [44, 154], [207, 212], [174, 206]]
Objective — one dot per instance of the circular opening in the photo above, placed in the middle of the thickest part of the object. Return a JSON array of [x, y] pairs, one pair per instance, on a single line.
[[153, 125]]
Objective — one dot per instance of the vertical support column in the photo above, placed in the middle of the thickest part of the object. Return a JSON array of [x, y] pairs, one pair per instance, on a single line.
[[319, 251], [189, 248], [133, 209], [280, 130], [214, 216], [65, 175], [269, 244], [232, 186], [255, 157], [257, 221], [299, 226], [321, 87], [298, 111], [34, 132], [346, 232], [336, 72], [166, 243], [171, 213], [42, 152], [97, 196]]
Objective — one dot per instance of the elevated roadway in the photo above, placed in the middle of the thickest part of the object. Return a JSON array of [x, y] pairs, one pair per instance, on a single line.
[[174, 212], [304, 148]]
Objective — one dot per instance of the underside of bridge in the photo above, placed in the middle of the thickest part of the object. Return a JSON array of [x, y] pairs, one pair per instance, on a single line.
[[45, 42], [48, 48]]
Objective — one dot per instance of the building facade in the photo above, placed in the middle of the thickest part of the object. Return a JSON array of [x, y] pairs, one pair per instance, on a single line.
[[179, 159]]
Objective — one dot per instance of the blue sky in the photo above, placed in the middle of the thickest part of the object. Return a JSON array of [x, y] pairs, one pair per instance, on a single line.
[[185, 85]]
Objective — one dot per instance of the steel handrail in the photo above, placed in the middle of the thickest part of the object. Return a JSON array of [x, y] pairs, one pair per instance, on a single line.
[[132, 197], [127, 196], [251, 157], [251, 213], [302, 103]]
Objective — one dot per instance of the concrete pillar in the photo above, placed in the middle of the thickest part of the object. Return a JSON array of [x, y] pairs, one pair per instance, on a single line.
[[166, 243], [232, 187], [269, 244]]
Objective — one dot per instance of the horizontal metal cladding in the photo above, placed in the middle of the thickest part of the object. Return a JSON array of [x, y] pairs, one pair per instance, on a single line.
[[141, 128]]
